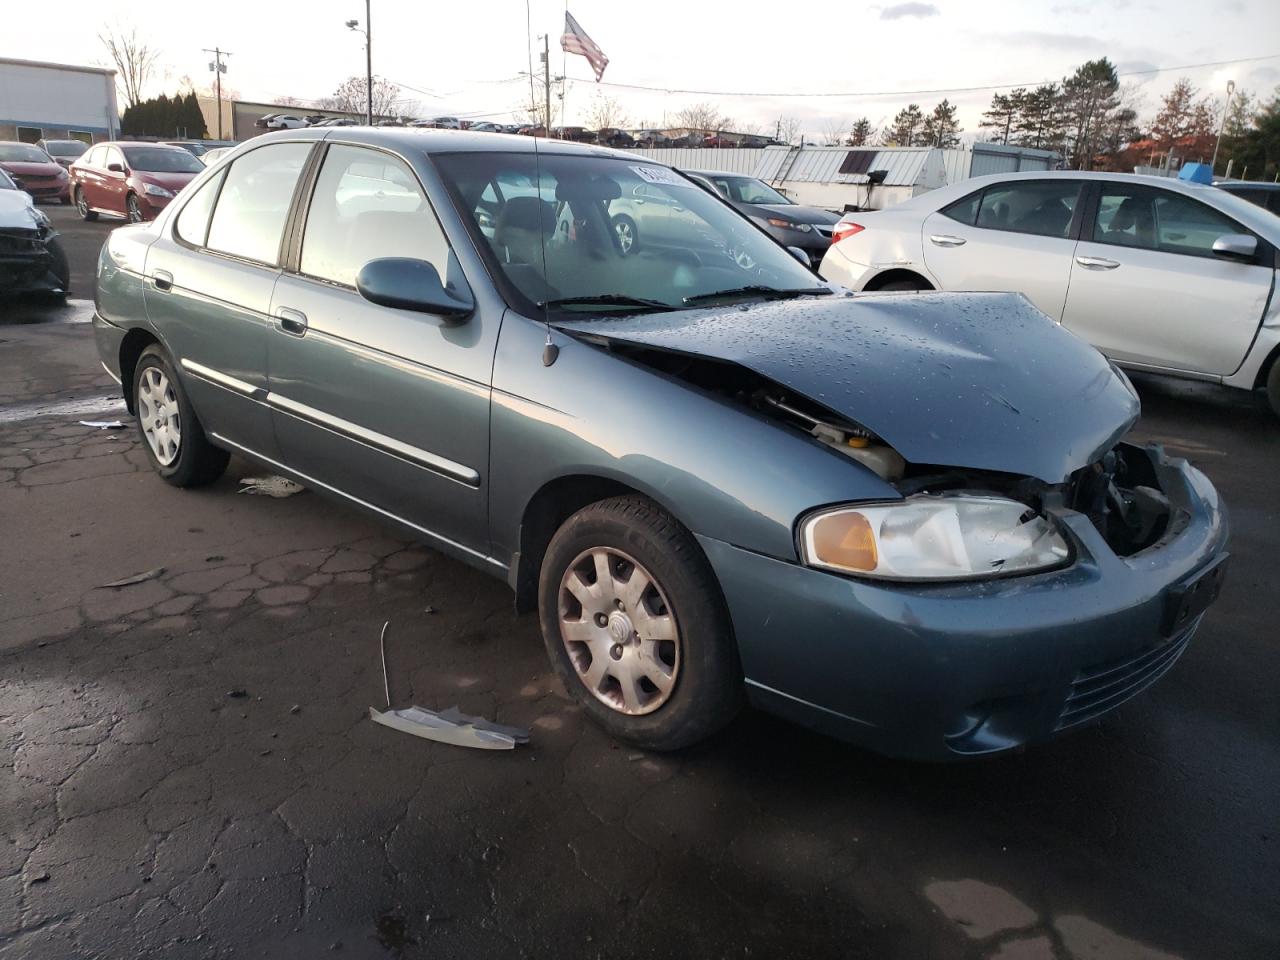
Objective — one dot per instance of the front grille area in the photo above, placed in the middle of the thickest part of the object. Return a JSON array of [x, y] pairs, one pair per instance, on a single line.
[[18, 242], [823, 230], [1099, 688]]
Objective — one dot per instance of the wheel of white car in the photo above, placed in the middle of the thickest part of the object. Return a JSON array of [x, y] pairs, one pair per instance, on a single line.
[[1273, 386], [636, 627]]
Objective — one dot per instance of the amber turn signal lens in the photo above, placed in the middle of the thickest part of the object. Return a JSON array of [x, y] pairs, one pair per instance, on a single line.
[[845, 540]]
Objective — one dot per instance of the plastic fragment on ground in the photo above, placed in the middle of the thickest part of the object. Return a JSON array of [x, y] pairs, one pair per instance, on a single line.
[[270, 486], [103, 424], [451, 726], [136, 578]]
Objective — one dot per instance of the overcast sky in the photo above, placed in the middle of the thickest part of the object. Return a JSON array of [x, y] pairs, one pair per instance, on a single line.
[[468, 57]]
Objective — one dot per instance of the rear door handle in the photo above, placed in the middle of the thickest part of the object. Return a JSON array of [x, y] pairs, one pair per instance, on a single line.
[[1097, 263], [163, 280], [292, 322], [945, 240]]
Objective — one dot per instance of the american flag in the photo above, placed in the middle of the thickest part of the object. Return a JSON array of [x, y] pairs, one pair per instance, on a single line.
[[575, 40]]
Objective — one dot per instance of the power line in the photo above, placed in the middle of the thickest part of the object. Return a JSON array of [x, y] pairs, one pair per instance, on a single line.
[[904, 93]]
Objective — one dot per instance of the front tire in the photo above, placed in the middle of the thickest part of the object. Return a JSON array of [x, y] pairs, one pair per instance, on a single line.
[[1273, 386], [626, 234], [635, 625], [133, 209], [171, 432]]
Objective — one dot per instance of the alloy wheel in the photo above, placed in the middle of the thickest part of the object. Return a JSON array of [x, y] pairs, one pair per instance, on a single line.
[[626, 235], [159, 415], [82, 206], [619, 631], [135, 212]]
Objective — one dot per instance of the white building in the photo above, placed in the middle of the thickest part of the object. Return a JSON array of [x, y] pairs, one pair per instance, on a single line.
[[56, 101]]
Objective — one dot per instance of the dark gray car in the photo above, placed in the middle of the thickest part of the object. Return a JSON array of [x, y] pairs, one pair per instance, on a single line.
[[907, 520], [791, 224]]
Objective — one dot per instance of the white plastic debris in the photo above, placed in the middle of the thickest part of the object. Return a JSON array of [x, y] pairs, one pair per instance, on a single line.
[[103, 424], [451, 726], [270, 486], [136, 578]]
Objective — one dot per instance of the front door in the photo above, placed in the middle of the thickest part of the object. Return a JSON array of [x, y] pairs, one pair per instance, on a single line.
[[1016, 235], [114, 182], [1146, 286], [388, 406], [209, 282]]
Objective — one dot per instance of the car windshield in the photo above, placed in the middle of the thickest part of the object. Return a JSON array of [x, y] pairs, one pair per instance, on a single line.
[[747, 190], [195, 149], [162, 160], [586, 233], [65, 148], [22, 153]]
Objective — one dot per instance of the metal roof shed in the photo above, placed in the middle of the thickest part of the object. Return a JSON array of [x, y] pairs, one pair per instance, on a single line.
[[835, 177]]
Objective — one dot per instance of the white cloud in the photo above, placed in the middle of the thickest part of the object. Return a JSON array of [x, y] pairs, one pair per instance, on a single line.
[[901, 10]]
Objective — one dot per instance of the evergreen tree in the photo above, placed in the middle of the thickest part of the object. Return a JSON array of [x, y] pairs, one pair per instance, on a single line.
[[1089, 97], [904, 131], [860, 133], [1003, 114], [940, 127]]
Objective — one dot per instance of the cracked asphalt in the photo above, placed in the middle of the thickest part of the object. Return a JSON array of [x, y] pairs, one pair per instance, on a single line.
[[187, 767]]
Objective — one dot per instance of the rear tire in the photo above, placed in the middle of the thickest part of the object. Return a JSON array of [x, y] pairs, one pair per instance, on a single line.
[[675, 630], [170, 430], [82, 206], [1273, 386]]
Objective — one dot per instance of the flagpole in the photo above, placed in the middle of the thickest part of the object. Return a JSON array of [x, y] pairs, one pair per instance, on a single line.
[[564, 71]]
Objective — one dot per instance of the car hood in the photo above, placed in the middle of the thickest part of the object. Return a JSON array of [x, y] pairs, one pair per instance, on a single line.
[[23, 168], [16, 210], [170, 181], [796, 213], [981, 381]]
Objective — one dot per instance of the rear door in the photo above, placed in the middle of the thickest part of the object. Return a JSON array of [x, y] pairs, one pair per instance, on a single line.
[[1018, 235], [209, 282], [89, 175], [388, 406], [1147, 288]]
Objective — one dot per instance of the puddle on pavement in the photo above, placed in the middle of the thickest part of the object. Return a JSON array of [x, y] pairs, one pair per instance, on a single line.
[[35, 310], [62, 408]]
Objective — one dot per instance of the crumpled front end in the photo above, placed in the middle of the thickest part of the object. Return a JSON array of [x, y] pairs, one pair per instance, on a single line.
[[31, 261]]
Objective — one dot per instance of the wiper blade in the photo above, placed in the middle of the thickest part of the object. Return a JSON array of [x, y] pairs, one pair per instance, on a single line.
[[759, 290], [607, 300]]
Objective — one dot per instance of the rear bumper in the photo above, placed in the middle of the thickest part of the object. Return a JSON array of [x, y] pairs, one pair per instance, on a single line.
[[959, 670]]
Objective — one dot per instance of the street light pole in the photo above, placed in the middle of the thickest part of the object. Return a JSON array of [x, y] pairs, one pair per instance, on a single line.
[[1231, 89], [368, 63]]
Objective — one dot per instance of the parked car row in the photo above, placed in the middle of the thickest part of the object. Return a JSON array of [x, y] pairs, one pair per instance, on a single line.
[[34, 171]]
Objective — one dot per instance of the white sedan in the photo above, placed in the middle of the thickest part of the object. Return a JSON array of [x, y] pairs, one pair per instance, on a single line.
[[1158, 274]]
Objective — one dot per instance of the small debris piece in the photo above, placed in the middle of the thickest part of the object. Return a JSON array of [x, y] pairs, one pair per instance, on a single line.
[[382, 648], [451, 726], [136, 578], [270, 486], [264, 753], [43, 878], [295, 709], [215, 558], [428, 609], [103, 424], [237, 693]]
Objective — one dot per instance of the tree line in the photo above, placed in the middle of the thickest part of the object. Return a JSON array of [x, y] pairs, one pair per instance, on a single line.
[[163, 116]]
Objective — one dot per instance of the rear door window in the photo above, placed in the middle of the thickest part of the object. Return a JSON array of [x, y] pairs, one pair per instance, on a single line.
[[1040, 207], [249, 219]]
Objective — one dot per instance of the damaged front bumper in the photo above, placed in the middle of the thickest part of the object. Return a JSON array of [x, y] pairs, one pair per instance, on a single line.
[[945, 671], [30, 262]]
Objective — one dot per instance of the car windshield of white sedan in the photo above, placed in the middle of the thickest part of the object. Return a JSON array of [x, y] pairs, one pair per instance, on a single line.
[[597, 234], [162, 160], [22, 153]]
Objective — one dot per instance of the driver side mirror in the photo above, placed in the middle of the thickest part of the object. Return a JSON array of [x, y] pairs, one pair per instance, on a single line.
[[799, 255], [1236, 246], [407, 284], [115, 168]]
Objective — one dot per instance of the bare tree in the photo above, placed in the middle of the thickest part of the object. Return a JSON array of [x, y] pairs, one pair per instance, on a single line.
[[287, 101], [788, 129], [833, 132], [350, 97], [133, 59], [606, 111], [702, 117]]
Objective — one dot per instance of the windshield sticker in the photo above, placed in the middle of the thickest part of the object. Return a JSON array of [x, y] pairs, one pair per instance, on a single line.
[[661, 175]]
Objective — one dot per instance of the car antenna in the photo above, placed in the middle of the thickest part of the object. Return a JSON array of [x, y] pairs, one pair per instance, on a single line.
[[549, 349]]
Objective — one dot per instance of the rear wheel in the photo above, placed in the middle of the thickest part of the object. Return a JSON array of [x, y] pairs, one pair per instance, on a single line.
[[171, 432], [635, 625], [82, 206], [1273, 386]]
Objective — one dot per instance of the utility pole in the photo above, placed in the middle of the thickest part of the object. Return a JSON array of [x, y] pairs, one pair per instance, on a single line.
[[368, 61], [218, 68], [546, 77], [1231, 89]]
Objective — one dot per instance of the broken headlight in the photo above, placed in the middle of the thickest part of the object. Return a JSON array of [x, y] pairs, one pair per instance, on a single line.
[[933, 538]]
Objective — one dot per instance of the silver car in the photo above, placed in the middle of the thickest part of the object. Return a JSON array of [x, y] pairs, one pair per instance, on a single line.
[[1158, 274]]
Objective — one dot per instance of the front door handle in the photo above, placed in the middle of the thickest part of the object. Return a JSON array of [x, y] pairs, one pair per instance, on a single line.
[[1097, 263], [163, 280], [292, 322], [946, 240]]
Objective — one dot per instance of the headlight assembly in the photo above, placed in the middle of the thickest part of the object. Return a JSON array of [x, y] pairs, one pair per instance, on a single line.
[[933, 538], [788, 225], [156, 191]]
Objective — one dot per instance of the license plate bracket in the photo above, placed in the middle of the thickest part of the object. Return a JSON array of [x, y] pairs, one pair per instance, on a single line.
[[1192, 596]]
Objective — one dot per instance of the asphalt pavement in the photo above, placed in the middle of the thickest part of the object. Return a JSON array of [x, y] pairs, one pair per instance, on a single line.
[[187, 766]]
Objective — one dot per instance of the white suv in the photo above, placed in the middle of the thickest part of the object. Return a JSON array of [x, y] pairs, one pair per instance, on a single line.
[[1156, 273]]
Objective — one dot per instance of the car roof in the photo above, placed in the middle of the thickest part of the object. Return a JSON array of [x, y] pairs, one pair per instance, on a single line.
[[429, 140], [1246, 185], [719, 173]]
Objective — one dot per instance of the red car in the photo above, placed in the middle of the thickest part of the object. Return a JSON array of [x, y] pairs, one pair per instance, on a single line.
[[34, 171], [132, 180]]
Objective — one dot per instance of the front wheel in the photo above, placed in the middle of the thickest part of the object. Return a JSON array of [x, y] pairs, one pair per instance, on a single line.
[[134, 210], [626, 234], [1273, 386], [171, 433], [635, 625]]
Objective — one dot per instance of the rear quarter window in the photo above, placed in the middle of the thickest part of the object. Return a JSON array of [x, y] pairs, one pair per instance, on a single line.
[[964, 210]]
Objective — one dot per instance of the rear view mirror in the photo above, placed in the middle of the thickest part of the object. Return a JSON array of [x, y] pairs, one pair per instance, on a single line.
[[406, 284], [115, 168], [1236, 246]]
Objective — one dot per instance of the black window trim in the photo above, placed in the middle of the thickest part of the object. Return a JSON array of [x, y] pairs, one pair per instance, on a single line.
[[171, 228]]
